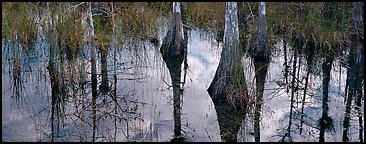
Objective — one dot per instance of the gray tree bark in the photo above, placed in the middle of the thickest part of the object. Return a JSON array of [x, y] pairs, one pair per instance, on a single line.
[[261, 60], [260, 45], [173, 50], [230, 107], [230, 70]]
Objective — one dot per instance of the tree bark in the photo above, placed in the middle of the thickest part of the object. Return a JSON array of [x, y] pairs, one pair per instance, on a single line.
[[52, 72], [173, 49], [229, 121], [288, 134], [260, 78], [229, 77], [360, 78], [325, 121], [104, 87], [309, 60], [260, 45], [230, 69], [93, 70], [351, 93], [103, 12], [354, 74], [261, 60]]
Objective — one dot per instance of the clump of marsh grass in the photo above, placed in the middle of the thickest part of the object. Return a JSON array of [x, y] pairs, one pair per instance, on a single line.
[[19, 23], [206, 15]]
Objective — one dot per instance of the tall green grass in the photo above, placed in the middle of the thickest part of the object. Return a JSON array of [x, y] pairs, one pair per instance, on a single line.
[[140, 20]]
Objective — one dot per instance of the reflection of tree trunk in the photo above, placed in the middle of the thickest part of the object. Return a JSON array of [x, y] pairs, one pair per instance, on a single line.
[[355, 77], [177, 93], [360, 78], [283, 31], [93, 70], [358, 23], [113, 46], [309, 65], [288, 134], [103, 12], [355, 70], [260, 78], [325, 121], [17, 80], [104, 86], [172, 50], [351, 76], [285, 64], [261, 59], [55, 106], [53, 73], [83, 94], [185, 39], [229, 121]]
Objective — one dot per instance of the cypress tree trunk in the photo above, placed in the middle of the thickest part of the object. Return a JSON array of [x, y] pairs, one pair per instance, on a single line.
[[230, 69], [260, 78], [113, 46], [354, 70], [173, 50], [288, 134], [103, 12], [261, 59], [326, 123], [52, 72], [93, 70], [359, 79], [229, 77], [358, 15], [309, 60], [283, 31], [351, 93], [285, 64], [104, 87]]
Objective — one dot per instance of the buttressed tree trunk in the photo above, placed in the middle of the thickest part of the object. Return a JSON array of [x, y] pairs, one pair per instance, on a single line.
[[173, 49], [228, 89], [230, 70], [260, 45], [173, 44], [261, 60]]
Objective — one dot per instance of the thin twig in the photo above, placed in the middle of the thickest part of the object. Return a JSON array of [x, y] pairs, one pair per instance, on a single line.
[[208, 135], [75, 6]]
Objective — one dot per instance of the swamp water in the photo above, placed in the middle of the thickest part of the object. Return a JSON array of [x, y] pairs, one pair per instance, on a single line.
[[142, 107]]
